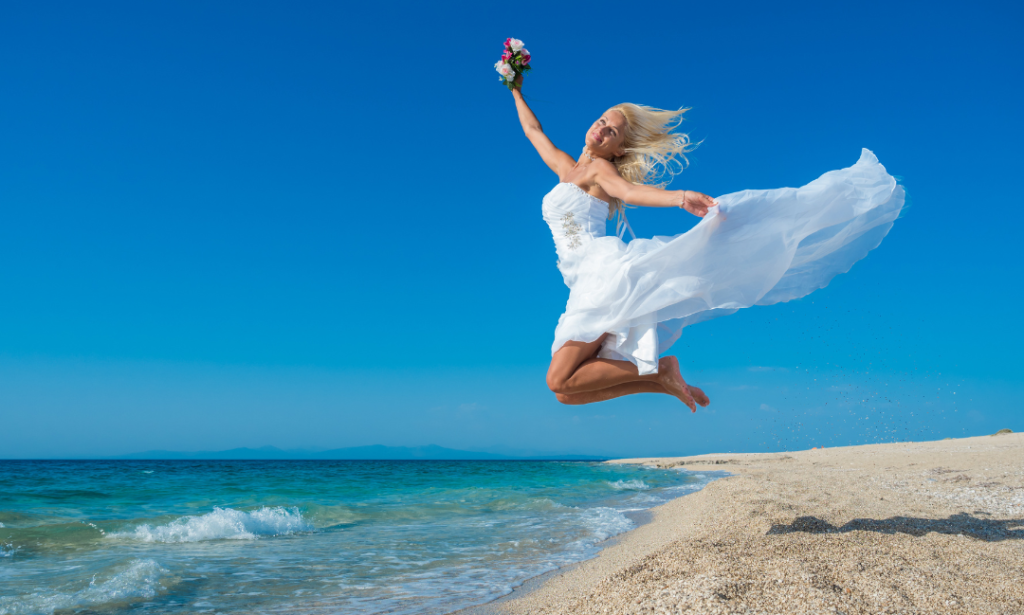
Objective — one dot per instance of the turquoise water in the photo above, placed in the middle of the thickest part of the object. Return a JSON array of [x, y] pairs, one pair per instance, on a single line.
[[353, 537]]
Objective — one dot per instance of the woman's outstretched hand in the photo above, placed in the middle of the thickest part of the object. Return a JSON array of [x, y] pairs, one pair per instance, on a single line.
[[518, 82], [697, 203]]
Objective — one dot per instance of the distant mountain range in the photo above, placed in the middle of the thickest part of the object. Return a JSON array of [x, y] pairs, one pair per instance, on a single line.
[[378, 452]]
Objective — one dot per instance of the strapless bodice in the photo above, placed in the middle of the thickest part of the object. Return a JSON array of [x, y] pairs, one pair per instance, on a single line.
[[575, 218]]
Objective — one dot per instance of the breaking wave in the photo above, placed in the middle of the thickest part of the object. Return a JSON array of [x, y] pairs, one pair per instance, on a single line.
[[223, 524], [632, 485]]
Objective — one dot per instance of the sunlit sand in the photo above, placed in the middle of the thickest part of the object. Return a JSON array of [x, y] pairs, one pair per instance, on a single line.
[[930, 527]]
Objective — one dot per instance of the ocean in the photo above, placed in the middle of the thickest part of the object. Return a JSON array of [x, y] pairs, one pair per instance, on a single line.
[[311, 537]]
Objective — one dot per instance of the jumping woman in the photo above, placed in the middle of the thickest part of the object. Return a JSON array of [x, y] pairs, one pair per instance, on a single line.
[[629, 302]]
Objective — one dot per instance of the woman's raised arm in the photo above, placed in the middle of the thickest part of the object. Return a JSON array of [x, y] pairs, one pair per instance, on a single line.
[[559, 162]]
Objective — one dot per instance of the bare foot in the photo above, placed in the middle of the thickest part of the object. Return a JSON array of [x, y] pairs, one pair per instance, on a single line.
[[672, 380], [699, 396]]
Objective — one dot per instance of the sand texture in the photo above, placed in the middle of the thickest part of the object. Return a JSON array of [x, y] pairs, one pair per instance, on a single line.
[[933, 527]]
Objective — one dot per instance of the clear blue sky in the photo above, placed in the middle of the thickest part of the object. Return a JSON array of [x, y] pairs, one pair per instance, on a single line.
[[318, 224]]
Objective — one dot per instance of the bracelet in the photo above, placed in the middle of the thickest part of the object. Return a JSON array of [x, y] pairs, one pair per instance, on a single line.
[[683, 204]]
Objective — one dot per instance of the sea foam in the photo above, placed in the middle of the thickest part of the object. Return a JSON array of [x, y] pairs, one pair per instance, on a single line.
[[604, 522], [139, 579], [223, 524], [632, 485]]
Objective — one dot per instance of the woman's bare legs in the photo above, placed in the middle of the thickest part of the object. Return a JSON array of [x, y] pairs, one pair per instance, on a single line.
[[576, 376], [620, 390]]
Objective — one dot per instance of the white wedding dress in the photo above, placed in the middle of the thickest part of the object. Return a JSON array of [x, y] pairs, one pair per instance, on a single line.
[[757, 247]]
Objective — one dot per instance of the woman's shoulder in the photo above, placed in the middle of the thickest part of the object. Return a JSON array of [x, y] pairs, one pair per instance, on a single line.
[[592, 176]]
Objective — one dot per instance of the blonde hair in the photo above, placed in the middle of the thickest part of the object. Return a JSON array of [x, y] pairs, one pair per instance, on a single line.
[[654, 154]]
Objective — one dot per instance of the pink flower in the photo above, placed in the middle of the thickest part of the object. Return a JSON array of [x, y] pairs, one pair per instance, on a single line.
[[508, 43], [507, 55], [525, 56]]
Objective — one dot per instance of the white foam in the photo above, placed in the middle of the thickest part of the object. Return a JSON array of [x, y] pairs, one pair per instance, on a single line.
[[633, 485], [223, 524], [7, 550], [604, 522], [689, 487], [140, 579]]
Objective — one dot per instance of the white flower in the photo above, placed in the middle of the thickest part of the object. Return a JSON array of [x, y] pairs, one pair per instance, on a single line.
[[505, 70], [515, 44]]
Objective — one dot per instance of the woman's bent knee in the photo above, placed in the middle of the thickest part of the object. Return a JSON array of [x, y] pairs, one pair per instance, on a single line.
[[556, 384]]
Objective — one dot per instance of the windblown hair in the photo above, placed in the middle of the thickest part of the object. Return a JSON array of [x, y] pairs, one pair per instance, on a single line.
[[654, 154]]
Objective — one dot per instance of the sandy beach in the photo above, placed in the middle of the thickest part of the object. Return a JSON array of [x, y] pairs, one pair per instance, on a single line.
[[929, 527]]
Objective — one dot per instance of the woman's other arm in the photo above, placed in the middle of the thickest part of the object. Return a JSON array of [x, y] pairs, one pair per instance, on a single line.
[[559, 162], [607, 176]]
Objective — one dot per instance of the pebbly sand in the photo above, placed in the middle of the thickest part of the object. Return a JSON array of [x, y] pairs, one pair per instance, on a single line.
[[930, 527]]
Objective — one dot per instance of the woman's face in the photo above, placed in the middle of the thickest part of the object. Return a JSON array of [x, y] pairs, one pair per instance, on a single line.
[[607, 135]]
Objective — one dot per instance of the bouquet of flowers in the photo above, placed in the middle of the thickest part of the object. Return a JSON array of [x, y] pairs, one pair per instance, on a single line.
[[515, 61]]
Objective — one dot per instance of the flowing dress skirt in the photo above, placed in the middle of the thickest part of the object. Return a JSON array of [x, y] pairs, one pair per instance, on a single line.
[[758, 247]]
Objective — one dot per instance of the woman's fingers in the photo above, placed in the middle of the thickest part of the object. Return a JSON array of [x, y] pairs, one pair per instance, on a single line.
[[708, 203], [698, 203]]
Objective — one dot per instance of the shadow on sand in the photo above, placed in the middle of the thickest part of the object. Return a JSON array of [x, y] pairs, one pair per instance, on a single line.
[[962, 523]]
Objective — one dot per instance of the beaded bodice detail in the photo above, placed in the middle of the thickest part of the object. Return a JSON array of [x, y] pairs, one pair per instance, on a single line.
[[575, 218]]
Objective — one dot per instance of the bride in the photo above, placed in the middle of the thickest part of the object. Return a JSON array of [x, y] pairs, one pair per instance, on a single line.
[[628, 302]]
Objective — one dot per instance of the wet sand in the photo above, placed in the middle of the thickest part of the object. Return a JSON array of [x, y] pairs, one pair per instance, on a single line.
[[929, 527]]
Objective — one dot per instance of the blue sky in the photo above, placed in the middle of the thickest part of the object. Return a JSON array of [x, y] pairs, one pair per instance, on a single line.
[[318, 225]]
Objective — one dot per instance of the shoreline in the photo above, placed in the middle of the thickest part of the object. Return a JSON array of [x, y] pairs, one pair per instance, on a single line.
[[910, 527], [641, 518]]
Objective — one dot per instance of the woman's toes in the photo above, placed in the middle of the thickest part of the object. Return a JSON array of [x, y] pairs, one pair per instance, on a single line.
[[688, 399]]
